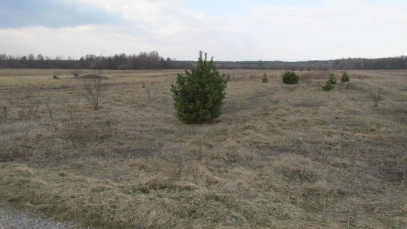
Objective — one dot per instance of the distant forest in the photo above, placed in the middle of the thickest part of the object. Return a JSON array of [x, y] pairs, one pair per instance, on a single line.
[[152, 60]]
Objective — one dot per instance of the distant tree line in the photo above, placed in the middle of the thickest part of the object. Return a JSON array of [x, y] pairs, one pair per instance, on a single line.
[[152, 60], [340, 64]]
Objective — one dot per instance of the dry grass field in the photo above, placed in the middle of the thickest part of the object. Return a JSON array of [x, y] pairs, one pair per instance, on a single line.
[[280, 156]]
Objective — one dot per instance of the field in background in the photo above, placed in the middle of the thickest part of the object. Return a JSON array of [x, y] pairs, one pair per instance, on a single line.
[[280, 156]]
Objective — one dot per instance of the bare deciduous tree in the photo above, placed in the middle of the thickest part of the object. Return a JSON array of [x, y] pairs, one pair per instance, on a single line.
[[93, 90]]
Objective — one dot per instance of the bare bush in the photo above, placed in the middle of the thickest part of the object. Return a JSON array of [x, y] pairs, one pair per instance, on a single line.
[[93, 92], [376, 97], [76, 73], [100, 63]]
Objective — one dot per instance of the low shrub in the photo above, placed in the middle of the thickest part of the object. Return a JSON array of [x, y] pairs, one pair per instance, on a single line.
[[290, 77], [76, 73], [328, 86], [199, 92], [330, 83], [332, 79], [345, 77], [265, 80]]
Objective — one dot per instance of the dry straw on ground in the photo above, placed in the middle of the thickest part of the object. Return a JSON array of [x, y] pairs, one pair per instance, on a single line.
[[280, 156]]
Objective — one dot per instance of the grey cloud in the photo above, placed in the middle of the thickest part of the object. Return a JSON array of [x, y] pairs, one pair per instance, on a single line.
[[51, 13]]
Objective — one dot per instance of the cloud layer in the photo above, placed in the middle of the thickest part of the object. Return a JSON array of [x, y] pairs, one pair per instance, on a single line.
[[228, 30], [51, 13]]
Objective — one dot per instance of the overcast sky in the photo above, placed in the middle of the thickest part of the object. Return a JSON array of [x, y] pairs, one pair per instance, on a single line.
[[289, 30]]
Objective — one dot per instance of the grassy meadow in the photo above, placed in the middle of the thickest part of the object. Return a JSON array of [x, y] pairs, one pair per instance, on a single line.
[[280, 156]]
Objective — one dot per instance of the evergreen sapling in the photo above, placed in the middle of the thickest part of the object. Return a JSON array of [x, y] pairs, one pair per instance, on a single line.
[[198, 94]]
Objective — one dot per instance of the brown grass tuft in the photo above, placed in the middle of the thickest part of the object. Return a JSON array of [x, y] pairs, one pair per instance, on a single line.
[[279, 156]]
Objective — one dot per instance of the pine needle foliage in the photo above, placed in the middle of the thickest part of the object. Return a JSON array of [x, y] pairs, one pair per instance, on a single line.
[[265, 80], [345, 77], [290, 77], [330, 83], [198, 93], [328, 86], [332, 79]]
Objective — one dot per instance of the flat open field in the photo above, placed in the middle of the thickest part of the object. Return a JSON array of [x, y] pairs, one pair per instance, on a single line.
[[280, 156]]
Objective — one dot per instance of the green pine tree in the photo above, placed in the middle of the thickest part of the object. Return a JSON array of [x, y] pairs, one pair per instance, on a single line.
[[330, 83], [265, 80], [290, 77], [345, 77], [198, 93]]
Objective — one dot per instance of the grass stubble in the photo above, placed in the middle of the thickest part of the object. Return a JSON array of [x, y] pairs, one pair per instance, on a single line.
[[280, 156]]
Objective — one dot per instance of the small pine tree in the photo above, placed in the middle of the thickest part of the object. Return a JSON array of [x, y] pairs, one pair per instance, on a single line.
[[345, 77], [330, 83], [332, 79], [290, 77], [265, 80], [328, 86], [198, 93]]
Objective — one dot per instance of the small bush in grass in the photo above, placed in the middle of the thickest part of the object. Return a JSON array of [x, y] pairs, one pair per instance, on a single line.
[[198, 93], [332, 79], [290, 77], [265, 80], [76, 73], [330, 83], [345, 77], [93, 92], [328, 86]]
